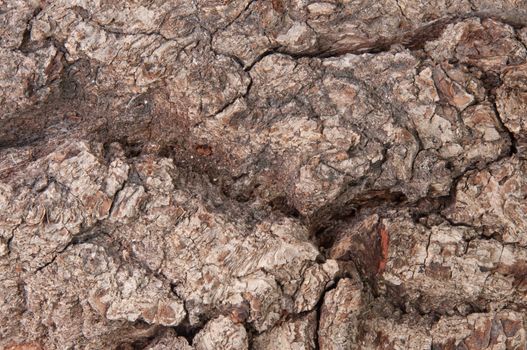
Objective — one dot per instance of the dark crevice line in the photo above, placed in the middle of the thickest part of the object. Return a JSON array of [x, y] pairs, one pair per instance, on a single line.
[[82, 237], [514, 142], [26, 36]]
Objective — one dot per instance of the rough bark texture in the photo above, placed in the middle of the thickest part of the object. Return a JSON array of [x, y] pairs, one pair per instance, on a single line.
[[263, 174]]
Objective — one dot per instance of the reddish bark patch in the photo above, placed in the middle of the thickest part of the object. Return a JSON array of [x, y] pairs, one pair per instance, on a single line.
[[510, 327], [278, 6], [384, 238], [204, 150]]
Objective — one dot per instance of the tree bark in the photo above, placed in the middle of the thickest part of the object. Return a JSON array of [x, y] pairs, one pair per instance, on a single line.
[[256, 174]]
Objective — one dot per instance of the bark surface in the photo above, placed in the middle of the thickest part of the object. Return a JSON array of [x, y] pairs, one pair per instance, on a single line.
[[263, 174]]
